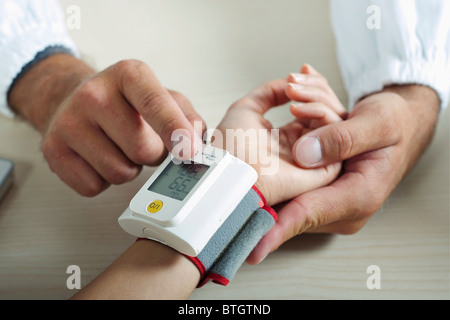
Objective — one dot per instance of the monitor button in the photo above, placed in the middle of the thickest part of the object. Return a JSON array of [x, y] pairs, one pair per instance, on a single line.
[[155, 206]]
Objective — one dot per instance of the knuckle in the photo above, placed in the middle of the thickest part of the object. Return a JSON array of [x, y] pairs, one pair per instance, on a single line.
[[66, 124], [121, 174], [90, 94], [148, 151], [342, 142], [310, 217], [152, 102], [312, 222], [149, 157], [131, 71], [94, 188], [350, 227], [125, 66], [55, 153], [141, 154]]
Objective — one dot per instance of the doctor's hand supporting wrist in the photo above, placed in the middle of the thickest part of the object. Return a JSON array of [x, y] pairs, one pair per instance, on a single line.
[[101, 128], [382, 139]]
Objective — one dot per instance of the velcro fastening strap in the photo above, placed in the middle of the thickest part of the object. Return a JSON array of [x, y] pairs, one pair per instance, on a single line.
[[236, 238]]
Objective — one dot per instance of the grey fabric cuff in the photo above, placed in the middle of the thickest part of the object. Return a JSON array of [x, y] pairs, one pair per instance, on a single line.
[[236, 238]]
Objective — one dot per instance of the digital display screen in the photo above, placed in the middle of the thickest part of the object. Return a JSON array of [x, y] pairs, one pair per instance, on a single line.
[[176, 181]]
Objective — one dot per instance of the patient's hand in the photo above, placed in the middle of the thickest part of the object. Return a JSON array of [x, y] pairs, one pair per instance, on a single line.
[[280, 178]]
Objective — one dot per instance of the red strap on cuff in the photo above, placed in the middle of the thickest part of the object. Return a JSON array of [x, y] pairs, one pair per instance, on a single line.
[[264, 205], [206, 277]]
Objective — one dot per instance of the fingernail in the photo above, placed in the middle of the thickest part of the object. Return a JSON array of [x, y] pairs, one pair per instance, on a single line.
[[296, 86], [309, 151], [297, 105], [298, 77]]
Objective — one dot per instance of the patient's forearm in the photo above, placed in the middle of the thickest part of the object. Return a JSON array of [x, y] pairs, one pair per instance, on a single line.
[[146, 271]]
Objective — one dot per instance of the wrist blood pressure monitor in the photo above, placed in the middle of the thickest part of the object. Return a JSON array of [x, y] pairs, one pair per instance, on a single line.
[[207, 209], [183, 204]]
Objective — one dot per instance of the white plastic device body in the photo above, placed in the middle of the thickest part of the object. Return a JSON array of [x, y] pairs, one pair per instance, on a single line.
[[189, 222]]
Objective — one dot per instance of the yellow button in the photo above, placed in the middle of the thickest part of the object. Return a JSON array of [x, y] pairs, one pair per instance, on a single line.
[[155, 206]]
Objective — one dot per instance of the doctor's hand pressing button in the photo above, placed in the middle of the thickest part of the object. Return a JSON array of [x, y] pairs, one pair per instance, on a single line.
[[101, 128]]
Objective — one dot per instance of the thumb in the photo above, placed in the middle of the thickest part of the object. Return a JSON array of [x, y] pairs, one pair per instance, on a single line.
[[341, 141]]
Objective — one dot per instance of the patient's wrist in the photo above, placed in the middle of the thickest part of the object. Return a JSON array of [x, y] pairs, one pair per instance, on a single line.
[[148, 270]]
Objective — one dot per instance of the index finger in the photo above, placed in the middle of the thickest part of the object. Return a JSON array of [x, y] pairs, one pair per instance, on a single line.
[[141, 88]]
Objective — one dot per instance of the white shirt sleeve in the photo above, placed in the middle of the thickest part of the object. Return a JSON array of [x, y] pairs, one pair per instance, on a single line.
[[27, 27], [408, 44]]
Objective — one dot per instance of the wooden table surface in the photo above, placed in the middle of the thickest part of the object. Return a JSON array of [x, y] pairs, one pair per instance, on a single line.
[[215, 52]]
